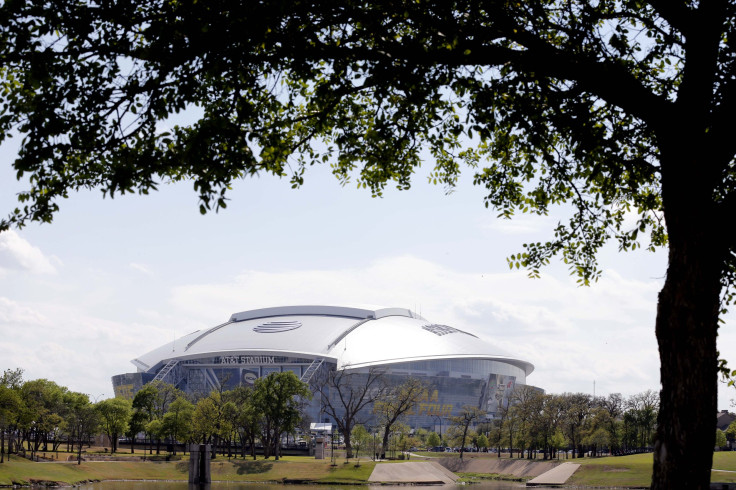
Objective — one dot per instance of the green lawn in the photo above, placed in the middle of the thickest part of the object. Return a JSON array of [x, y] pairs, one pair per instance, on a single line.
[[22, 471], [622, 471], [636, 470]]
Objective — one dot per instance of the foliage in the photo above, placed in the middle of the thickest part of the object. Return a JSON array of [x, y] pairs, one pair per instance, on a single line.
[[731, 431], [177, 421], [206, 418], [433, 440], [394, 404], [462, 422], [360, 439], [114, 415], [278, 398], [720, 438]]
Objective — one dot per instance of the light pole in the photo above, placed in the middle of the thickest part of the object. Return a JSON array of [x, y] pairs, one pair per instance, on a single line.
[[440, 419], [373, 431]]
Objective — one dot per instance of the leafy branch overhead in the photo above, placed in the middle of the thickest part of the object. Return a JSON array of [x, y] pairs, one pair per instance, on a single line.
[[544, 101], [620, 112]]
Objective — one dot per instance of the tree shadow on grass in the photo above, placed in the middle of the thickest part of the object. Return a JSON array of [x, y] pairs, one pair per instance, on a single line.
[[252, 467]]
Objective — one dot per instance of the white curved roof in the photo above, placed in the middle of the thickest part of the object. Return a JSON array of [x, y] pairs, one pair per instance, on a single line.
[[355, 337]]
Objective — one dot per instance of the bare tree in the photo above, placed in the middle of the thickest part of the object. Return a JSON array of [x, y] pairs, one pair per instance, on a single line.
[[469, 415], [345, 394], [395, 403]]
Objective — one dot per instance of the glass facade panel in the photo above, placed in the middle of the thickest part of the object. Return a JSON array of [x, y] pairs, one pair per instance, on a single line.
[[451, 383]]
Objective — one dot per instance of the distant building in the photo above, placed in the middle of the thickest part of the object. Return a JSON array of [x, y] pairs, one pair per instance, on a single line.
[[724, 419], [458, 367]]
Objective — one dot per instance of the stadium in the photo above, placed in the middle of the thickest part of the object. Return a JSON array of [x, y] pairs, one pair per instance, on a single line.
[[458, 367]]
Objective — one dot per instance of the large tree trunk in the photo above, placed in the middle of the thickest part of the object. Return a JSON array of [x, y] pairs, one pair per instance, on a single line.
[[384, 441], [348, 445], [687, 324]]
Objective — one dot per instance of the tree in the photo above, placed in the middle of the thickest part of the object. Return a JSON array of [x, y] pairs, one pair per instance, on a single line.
[[433, 440], [345, 395], [10, 405], [205, 419], [557, 441], [178, 420], [643, 409], [278, 398], [136, 424], [43, 403], [614, 107], [614, 406], [395, 402], [114, 414], [720, 438], [153, 402], [731, 432], [481, 442], [248, 420], [83, 420], [525, 399], [144, 411], [577, 410], [361, 439], [468, 415]]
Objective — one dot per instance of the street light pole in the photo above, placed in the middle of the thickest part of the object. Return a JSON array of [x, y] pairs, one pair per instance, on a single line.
[[440, 419]]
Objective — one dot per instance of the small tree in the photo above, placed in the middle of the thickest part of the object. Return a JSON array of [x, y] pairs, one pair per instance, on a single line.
[[136, 424], [360, 439], [394, 404], [731, 432], [481, 442], [83, 420], [205, 420], [433, 440], [10, 404], [178, 421], [469, 415], [114, 416], [557, 441], [720, 438]]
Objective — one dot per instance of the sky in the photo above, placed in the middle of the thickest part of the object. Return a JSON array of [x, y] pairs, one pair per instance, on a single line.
[[111, 279]]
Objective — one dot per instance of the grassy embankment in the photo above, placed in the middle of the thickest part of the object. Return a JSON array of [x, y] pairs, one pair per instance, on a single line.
[[620, 471], [22, 471]]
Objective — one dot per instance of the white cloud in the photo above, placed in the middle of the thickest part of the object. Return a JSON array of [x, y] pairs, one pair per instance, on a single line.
[[524, 224], [141, 268], [16, 253], [67, 345]]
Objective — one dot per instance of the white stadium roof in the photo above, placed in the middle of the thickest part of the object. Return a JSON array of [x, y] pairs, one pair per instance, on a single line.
[[354, 337]]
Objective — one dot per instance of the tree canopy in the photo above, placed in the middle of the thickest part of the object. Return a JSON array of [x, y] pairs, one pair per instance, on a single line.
[[622, 109]]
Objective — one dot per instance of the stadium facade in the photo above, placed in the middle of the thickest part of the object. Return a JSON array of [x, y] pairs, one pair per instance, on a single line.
[[458, 367]]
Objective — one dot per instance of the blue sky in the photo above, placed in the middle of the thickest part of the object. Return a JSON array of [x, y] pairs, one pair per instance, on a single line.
[[109, 280]]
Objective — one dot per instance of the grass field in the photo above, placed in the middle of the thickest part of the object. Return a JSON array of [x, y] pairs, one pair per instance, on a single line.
[[22, 471], [622, 471], [636, 470]]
